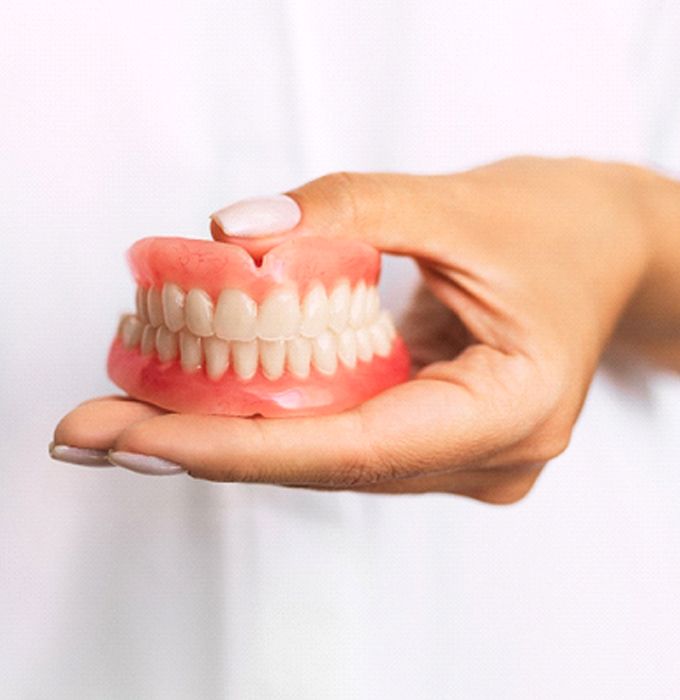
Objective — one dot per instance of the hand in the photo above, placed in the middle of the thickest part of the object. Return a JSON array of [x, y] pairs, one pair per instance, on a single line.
[[528, 268]]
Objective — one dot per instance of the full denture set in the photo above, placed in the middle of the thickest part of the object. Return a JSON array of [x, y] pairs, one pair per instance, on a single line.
[[301, 332]]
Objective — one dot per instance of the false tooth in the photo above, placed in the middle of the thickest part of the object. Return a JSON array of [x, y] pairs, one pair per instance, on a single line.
[[190, 351], [244, 357], [347, 348], [325, 352], [364, 345], [279, 315], [298, 356], [338, 306], [140, 303], [385, 320], [314, 312], [154, 307], [131, 331], [357, 309], [372, 304], [379, 340], [199, 312], [216, 353], [166, 344], [148, 339], [235, 316], [272, 357], [173, 298]]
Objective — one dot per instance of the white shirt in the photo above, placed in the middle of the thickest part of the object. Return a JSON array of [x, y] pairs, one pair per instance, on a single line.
[[122, 120]]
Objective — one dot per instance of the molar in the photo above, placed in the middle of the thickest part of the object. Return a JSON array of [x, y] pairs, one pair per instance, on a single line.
[[235, 316], [199, 313], [379, 340]]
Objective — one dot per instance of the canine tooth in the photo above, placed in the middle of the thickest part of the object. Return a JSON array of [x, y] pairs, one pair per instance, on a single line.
[[166, 344], [325, 352], [140, 303], [298, 356], [199, 313], [279, 315], [173, 298], [314, 312], [244, 357], [272, 357], [379, 340], [364, 345], [347, 348], [154, 307], [216, 353], [372, 304], [235, 316], [131, 331], [385, 320], [190, 351], [148, 340], [338, 306], [357, 309]]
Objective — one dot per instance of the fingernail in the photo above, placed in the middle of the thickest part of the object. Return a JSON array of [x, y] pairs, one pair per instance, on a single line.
[[258, 216], [144, 464], [79, 455]]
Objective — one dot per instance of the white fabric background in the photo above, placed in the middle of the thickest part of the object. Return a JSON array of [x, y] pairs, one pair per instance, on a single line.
[[121, 120]]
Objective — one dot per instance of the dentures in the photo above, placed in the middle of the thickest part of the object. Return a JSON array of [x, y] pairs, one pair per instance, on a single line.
[[302, 333]]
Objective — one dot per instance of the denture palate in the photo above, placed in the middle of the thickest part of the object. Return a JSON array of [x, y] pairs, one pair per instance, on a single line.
[[283, 332]]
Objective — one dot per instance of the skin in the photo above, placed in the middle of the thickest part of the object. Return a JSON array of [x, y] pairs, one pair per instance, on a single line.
[[531, 269]]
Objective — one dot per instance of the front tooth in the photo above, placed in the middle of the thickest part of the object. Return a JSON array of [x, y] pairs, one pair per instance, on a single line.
[[299, 355], [325, 352], [272, 357], [154, 307], [173, 306], [131, 331], [216, 357], [244, 357], [314, 312], [338, 306], [279, 315], [347, 348], [379, 340], [235, 316], [357, 309], [199, 313], [364, 345], [140, 303], [148, 340], [166, 344], [372, 304], [190, 351]]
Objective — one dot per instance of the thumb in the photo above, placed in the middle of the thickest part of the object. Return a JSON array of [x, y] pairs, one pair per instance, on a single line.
[[395, 213]]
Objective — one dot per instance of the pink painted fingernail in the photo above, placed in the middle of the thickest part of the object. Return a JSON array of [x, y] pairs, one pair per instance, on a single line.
[[258, 216], [144, 464], [79, 455]]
